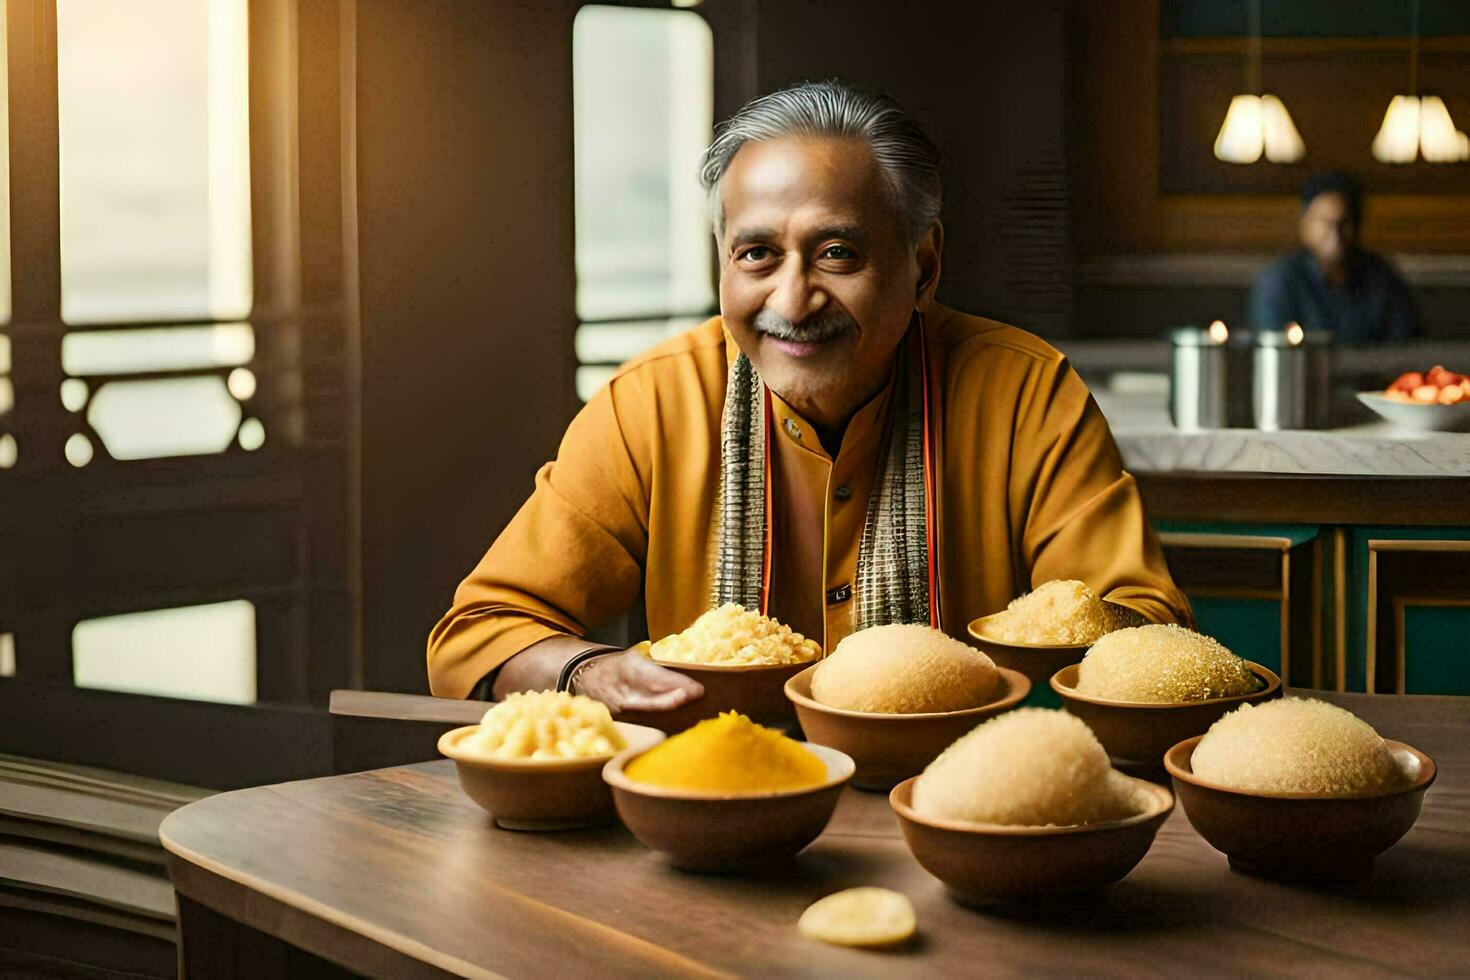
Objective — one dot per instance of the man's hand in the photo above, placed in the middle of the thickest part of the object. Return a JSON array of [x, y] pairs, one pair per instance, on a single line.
[[629, 681]]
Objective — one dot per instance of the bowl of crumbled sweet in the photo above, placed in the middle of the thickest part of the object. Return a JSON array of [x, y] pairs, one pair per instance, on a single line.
[[535, 760], [1436, 400], [743, 660], [1044, 630]]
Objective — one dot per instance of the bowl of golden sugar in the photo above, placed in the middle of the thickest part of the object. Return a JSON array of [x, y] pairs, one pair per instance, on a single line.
[[728, 795], [1145, 688], [1299, 788], [1025, 805], [1048, 628], [534, 762], [742, 659]]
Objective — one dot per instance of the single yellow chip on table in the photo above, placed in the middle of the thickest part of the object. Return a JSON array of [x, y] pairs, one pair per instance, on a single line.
[[869, 917]]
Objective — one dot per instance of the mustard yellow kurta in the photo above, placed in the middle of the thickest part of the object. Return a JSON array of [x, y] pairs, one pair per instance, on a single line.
[[1030, 488]]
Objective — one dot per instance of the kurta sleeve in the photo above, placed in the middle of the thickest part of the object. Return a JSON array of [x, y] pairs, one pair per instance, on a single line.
[[572, 556], [1085, 518]]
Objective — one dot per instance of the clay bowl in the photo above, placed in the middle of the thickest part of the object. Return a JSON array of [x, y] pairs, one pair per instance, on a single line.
[[752, 832], [754, 691], [889, 748], [1137, 734], [985, 863], [541, 794], [1038, 662], [1295, 836]]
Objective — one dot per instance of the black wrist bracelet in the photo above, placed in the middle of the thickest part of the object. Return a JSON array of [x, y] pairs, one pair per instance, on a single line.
[[564, 679]]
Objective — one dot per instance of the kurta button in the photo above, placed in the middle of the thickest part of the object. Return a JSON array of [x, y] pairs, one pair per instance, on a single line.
[[842, 493], [792, 429]]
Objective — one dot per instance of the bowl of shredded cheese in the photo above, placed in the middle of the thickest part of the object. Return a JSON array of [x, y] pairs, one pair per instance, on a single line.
[[742, 658], [535, 760]]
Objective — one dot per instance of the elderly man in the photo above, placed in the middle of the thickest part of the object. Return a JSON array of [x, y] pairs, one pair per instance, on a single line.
[[1332, 283], [836, 448]]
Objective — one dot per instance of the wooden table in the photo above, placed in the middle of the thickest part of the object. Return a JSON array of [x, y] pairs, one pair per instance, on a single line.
[[396, 872]]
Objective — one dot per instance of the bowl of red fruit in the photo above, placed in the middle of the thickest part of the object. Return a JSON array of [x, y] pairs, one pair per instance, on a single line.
[[1436, 400]]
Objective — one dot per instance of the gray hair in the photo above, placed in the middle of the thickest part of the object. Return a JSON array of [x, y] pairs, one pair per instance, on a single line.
[[907, 158]]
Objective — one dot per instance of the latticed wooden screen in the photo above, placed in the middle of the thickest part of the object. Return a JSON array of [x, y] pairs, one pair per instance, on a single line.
[[173, 442]]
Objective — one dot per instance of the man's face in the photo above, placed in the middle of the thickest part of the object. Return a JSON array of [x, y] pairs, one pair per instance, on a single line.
[[818, 281], [1328, 230]]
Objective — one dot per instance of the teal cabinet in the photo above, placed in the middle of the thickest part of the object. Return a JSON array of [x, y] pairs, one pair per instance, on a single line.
[[1381, 609], [1257, 588], [1408, 596]]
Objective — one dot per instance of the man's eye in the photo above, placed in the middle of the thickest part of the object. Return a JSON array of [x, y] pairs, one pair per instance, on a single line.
[[756, 253], [838, 252]]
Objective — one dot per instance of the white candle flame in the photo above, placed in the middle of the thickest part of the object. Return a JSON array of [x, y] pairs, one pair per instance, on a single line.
[[1218, 332]]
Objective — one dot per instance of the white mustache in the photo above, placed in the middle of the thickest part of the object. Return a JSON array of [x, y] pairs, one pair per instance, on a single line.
[[821, 326]]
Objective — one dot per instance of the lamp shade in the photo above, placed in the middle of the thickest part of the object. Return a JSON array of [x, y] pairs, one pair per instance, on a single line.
[[1283, 143], [1242, 137], [1414, 127], [1439, 140], [1256, 125]]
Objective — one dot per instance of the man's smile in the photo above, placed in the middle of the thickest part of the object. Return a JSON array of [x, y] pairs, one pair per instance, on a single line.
[[799, 348], [813, 336]]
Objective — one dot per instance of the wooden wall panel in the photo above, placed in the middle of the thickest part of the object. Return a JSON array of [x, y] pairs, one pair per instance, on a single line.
[[1336, 91], [464, 189], [990, 84]]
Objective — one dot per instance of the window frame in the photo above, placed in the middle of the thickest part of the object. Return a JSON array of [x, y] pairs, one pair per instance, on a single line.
[[54, 518], [670, 314]]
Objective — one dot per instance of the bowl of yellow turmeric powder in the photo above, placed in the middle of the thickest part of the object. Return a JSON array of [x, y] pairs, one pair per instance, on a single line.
[[728, 795]]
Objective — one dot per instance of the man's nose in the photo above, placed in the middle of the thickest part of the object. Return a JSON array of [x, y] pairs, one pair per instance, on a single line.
[[796, 296]]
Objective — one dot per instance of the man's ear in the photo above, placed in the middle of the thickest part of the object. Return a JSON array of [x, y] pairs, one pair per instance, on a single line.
[[928, 253]]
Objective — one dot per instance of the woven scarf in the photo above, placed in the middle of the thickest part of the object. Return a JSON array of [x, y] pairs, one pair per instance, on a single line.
[[895, 579]]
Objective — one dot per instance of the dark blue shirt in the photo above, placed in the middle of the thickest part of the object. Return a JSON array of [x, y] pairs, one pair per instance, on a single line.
[[1372, 306]]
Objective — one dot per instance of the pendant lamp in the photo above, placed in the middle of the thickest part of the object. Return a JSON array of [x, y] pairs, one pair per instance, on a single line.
[[1257, 124], [1416, 125]]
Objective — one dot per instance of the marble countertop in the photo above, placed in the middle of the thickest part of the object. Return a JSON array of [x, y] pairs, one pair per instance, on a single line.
[[1150, 444]]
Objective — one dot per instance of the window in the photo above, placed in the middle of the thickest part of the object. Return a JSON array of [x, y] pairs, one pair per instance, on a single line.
[[154, 161], [154, 142], [643, 104], [205, 653], [145, 549], [155, 224]]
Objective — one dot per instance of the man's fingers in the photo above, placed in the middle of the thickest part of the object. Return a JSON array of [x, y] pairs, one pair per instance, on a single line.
[[661, 701], [651, 677]]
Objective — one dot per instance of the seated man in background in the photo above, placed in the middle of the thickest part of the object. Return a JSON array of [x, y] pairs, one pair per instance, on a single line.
[[836, 449], [1332, 284]]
